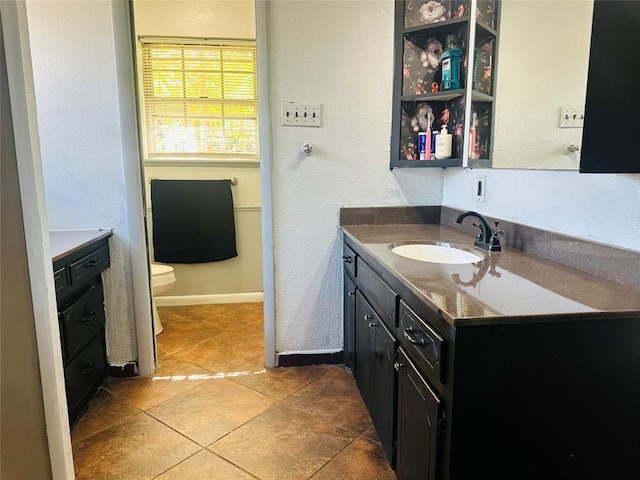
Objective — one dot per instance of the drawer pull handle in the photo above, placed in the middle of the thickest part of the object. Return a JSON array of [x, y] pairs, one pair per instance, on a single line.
[[88, 369], [87, 317], [408, 333], [347, 259], [92, 263], [351, 294]]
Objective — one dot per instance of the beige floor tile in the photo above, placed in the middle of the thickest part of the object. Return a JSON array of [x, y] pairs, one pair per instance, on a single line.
[[210, 411], [277, 383], [362, 460], [226, 352], [184, 333], [138, 448], [371, 434], [283, 443], [205, 465], [172, 378], [335, 398], [104, 410]]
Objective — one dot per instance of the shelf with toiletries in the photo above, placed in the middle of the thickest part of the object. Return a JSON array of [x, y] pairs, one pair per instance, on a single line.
[[433, 87]]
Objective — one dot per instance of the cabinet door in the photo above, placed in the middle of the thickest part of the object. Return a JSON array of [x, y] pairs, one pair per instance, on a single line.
[[349, 299], [365, 320], [384, 387], [418, 421], [610, 140]]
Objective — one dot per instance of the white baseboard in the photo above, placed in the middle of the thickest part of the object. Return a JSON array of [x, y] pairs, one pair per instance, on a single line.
[[168, 301]]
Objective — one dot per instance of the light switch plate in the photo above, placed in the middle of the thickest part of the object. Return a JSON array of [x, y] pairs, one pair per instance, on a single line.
[[571, 117], [300, 115]]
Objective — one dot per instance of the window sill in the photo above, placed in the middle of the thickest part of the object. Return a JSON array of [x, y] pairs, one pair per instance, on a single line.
[[203, 162]]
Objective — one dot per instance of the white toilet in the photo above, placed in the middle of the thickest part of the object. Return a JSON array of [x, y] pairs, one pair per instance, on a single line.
[[162, 279]]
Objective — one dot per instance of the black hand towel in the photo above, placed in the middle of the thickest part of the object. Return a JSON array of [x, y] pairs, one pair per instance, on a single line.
[[193, 221]]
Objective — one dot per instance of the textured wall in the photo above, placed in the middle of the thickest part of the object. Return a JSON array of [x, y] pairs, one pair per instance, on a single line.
[[79, 121], [338, 54], [604, 208]]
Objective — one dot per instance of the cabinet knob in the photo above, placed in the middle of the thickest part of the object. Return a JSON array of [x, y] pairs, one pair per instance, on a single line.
[[372, 324], [347, 259], [397, 366], [88, 369], [367, 317], [87, 317], [351, 294]]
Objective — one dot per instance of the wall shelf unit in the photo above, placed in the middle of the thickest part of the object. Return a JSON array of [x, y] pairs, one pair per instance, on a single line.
[[421, 101]]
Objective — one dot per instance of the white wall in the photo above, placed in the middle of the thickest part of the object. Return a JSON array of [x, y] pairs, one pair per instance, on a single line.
[[76, 95], [338, 54], [543, 60], [210, 19], [196, 18], [603, 208]]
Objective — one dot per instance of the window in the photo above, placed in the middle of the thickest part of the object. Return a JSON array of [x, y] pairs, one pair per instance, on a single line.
[[199, 100]]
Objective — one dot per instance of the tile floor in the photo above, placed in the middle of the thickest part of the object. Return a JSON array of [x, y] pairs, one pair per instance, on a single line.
[[212, 411]]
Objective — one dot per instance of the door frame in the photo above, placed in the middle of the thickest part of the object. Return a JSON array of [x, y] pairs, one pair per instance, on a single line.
[[135, 195], [16, 40]]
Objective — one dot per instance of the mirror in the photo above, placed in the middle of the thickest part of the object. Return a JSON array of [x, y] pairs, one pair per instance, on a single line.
[[543, 58]]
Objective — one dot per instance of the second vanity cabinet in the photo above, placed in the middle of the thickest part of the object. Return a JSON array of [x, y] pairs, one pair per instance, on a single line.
[[81, 315], [550, 395]]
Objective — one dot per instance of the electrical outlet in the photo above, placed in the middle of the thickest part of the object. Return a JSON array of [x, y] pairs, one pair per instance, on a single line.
[[571, 117], [481, 186], [300, 115]]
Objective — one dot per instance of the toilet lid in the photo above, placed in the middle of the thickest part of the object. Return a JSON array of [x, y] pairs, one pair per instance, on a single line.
[[160, 269]]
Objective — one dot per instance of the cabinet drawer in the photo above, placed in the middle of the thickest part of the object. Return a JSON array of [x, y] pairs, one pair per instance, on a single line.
[[82, 320], [379, 293], [89, 266], [424, 345], [61, 281], [84, 375], [349, 258]]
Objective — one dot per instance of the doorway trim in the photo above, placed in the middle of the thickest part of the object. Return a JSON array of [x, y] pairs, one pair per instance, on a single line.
[[264, 125]]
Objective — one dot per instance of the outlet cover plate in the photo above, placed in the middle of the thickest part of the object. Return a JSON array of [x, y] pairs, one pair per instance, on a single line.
[[571, 117], [300, 115], [481, 186]]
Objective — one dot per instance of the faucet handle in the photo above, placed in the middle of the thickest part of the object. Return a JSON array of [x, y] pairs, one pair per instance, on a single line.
[[479, 235], [496, 230]]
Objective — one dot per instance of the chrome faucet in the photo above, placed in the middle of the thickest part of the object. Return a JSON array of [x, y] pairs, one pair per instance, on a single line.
[[487, 238]]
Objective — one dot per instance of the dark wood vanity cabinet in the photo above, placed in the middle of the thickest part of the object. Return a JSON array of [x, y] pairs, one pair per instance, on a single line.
[[419, 423], [551, 396], [610, 139], [349, 307], [81, 317]]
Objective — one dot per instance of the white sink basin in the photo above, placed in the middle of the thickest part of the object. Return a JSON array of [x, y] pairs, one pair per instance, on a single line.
[[426, 252]]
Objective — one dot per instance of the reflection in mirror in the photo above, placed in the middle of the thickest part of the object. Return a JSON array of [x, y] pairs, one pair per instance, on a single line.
[[542, 66]]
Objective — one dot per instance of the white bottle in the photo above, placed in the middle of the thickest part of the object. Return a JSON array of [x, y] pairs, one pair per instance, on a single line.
[[443, 144]]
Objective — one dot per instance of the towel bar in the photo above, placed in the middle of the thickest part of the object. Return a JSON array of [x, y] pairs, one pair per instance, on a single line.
[[233, 180]]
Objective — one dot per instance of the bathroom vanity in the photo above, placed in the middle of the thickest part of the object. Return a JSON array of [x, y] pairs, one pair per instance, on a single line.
[[513, 367], [79, 258]]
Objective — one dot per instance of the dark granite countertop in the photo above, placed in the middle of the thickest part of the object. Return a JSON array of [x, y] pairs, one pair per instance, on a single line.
[[65, 242], [507, 287]]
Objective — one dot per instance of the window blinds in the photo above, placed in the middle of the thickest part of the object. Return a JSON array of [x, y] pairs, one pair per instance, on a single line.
[[200, 100]]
